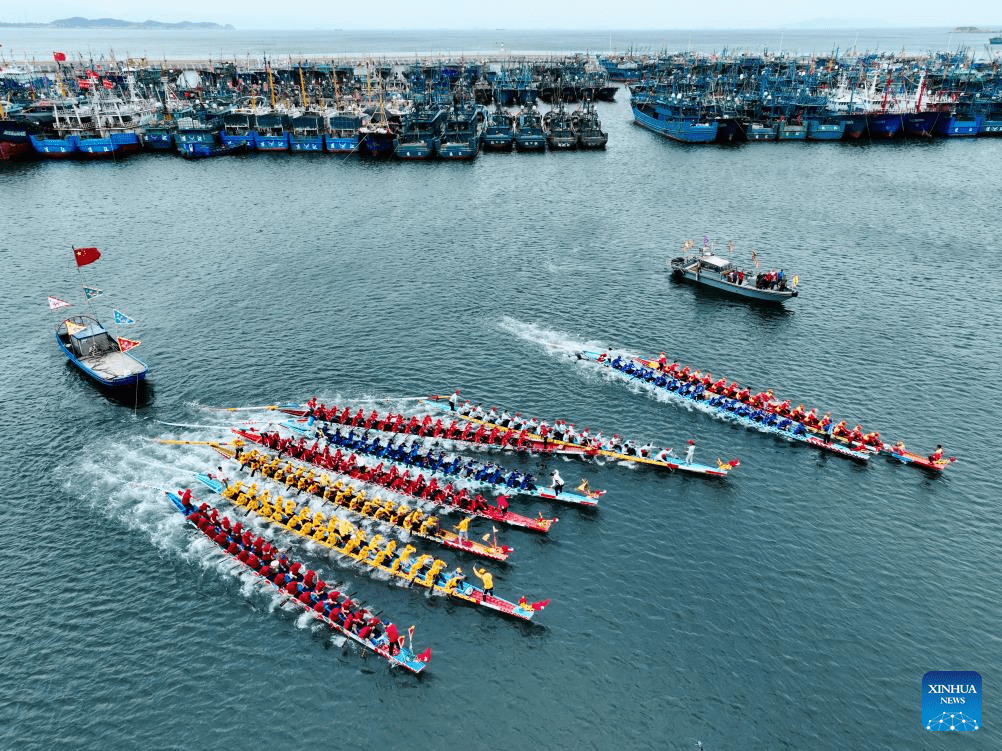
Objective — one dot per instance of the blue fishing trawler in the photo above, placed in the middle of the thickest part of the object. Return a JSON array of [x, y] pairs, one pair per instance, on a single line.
[[306, 134], [499, 135], [343, 136], [529, 134], [463, 132], [665, 118], [421, 133], [272, 132], [239, 129]]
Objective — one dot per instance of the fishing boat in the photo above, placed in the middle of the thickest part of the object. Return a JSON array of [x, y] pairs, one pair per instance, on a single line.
[[560, 134], [379, 555], [99, 355], [588, 127], [15, 139], [319, 600], [706, 268], [680, 122], [421, 133], [499, 135], [644, 371], [464, 130], [529, 134]]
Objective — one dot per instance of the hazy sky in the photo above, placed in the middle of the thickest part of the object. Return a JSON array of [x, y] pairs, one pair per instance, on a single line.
[[524, 14]]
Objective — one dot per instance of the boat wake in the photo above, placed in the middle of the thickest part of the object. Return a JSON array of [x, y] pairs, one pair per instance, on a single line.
[[556, 343]]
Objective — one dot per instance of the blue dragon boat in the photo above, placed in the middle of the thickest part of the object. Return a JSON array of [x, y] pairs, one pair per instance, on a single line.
[[639, 370]]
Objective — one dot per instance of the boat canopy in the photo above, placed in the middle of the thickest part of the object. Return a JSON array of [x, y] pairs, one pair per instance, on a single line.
[[714, 263]]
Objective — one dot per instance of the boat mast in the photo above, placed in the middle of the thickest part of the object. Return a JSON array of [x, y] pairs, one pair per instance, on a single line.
[[302, 88]]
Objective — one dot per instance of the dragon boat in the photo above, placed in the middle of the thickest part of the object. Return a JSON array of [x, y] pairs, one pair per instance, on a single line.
[[408, 456], [721, 470], [465, 434], [345, 538], [763, 421], [410, 521], [393, 480], [300, 585], [835, 436]]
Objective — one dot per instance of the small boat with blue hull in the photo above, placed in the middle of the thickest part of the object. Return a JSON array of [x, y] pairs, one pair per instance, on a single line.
[[560, 133], [52, 146], [668, 120], [197, 139], [710, 270], [759, 131], [89, 346], [108, 143]]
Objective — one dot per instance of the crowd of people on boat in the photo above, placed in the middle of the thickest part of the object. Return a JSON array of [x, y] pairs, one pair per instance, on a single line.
[[297, 582], [760, 407], [344, 537], [346, 496], [394, 479]]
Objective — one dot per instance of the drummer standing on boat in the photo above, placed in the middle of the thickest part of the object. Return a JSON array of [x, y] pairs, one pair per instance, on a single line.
[[454, 400], [690, 452]]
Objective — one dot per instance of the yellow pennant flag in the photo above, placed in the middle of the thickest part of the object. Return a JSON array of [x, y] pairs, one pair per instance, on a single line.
[[487, 537], [72, 328]]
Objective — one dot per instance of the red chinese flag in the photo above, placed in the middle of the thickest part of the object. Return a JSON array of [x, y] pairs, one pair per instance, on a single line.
[[108, 84], [92, 74], [83, 83], [59, 57], [425, 656], [84, 256]]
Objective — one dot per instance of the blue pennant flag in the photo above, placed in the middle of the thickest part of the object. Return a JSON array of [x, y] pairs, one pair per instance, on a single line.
[[122, 319], [91, 292]]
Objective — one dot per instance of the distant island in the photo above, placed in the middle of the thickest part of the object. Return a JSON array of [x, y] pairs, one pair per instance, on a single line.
[[114, 23]]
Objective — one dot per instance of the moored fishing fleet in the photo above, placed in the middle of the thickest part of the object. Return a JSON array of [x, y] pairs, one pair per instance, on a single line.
[[414, 112]]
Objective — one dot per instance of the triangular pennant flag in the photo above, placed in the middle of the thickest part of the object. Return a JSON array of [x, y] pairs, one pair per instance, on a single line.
[[72, 328], [55, 303], [91, 292], [127, 344], [122, 319]]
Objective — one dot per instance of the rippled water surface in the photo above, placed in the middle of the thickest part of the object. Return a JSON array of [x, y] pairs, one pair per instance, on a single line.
[[795, 605]]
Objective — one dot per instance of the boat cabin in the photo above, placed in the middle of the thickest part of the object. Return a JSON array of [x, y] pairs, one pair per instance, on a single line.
[[714, 263], [91, 341]]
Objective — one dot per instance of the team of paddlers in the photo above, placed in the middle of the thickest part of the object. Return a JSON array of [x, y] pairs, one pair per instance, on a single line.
[[344, 537], [394, 479], [504, 429], [414, 521], [761, 406], [298, 582]]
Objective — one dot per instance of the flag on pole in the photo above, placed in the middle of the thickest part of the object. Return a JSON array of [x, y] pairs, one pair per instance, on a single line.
[[91, 292], [425, 656], [59, 57], [55, 303], [108, 84], [487, 537], [122, 319], [72, 328], [127, 344], [796, 281], [84, 256]]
